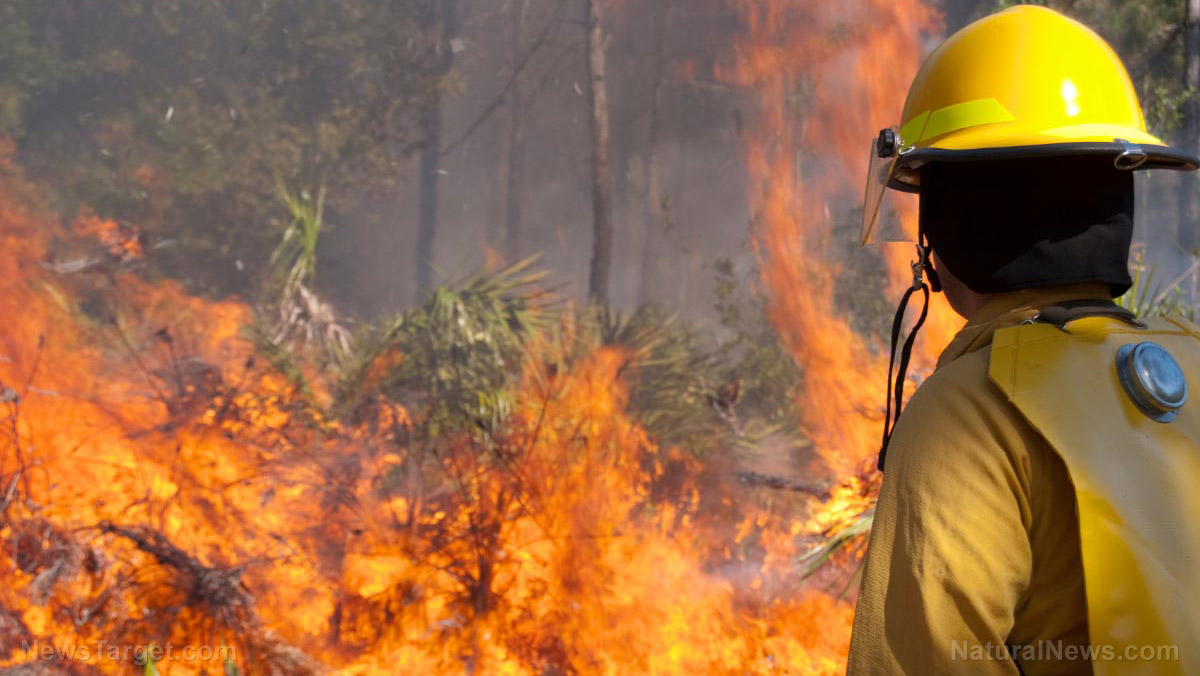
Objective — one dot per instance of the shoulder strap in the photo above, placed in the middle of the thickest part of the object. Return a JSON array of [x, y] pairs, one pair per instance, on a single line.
[[1061, 314]]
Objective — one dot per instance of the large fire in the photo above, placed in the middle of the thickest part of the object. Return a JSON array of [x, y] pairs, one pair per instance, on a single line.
[[827, 77], [160, 489], [164, 489]]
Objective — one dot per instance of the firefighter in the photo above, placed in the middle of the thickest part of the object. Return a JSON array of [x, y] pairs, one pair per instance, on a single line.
[[1040, 510]]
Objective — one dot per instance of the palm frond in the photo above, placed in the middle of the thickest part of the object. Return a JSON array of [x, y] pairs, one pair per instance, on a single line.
[[455, 355], [303, 320], [811, 561], [1146, 298], [294, 260]]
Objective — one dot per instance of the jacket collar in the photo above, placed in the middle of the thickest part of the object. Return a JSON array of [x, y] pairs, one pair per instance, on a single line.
[[1009, 309]]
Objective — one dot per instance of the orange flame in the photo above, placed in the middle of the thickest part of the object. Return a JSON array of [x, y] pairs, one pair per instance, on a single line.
[[827, 77], [160, 487]]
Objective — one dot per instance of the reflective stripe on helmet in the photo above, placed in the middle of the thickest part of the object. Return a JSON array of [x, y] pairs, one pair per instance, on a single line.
[[953, 118]]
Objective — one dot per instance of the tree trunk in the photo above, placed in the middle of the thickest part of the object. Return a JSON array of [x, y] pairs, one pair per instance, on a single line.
[[1188, 185], [431, 130], [431, 152], [655, 216], [678, 266], [602, 229], [516, 137]]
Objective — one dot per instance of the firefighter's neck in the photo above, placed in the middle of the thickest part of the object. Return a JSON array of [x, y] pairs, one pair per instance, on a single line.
[[964, 301], [968, 303]]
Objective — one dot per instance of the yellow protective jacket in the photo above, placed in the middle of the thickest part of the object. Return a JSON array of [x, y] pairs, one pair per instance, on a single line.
[[975, 556]]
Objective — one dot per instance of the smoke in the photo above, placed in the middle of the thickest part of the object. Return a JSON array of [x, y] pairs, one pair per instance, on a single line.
[[368, 255]]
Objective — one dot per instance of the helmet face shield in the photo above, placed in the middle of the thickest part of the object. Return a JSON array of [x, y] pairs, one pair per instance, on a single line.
[[881, 221]]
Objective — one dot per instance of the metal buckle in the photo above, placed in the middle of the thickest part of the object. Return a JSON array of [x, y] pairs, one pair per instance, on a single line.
[[918, 268], [1132, 156]]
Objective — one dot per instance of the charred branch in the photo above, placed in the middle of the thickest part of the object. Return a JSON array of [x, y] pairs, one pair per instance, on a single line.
[[217, 590], [782, 484]]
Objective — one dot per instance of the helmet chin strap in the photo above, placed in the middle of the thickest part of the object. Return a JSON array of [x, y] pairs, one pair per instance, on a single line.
[[921, 268]]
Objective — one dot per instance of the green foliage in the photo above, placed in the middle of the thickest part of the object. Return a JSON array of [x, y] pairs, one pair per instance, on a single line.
[[26, 66], [1148, 298], [708, 388], [454, 357], [455, 361], [150, 667], [181, 116], [752, 351], [810, 562], [303, 319], [861, 289], [294, 261], [673, 374]]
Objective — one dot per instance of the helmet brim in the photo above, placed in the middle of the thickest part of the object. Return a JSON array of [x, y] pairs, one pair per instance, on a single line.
[[906, 176]]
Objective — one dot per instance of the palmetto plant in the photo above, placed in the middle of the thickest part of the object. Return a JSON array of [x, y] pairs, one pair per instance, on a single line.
[[454, 357], [694, 390], [295, 259], [303, 320]]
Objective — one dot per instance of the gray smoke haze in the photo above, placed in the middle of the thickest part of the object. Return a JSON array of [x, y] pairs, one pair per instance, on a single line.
[[369, 255]]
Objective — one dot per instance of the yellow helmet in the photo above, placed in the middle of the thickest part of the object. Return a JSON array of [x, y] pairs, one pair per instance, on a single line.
[[1026, 82]]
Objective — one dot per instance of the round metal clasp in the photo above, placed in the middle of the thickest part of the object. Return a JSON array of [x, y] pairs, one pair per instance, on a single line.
[[1152, 379]]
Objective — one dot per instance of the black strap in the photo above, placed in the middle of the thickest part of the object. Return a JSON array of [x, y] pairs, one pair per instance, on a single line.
[[890, 419], [1061, 314], [922, 270]]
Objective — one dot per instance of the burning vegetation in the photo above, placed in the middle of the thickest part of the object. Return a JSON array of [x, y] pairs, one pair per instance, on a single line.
[[470, 490], [495, 481]]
